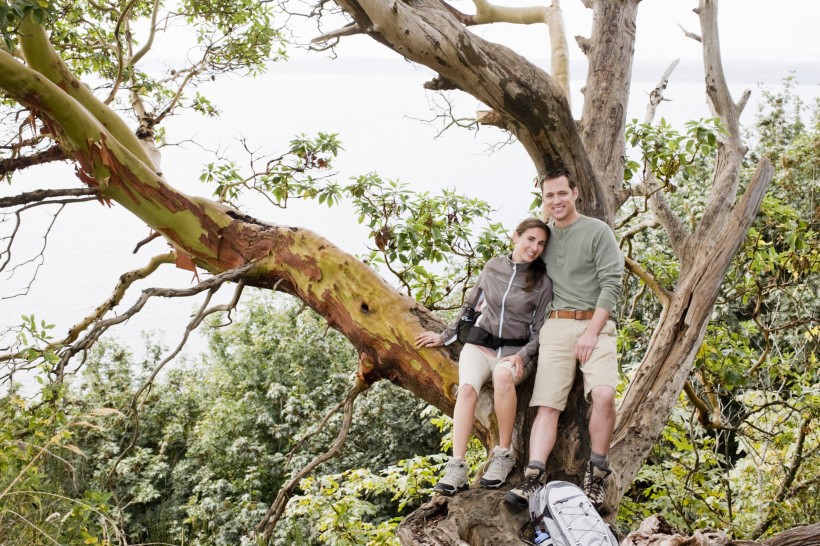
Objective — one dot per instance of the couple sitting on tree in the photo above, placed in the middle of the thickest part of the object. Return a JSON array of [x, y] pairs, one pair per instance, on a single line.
[[564, 317]]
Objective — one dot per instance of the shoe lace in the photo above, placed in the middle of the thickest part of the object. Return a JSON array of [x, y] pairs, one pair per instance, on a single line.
[[595, 486], [532, 483]]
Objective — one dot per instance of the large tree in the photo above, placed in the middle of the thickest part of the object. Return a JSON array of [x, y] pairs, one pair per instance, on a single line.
[[58, 117]]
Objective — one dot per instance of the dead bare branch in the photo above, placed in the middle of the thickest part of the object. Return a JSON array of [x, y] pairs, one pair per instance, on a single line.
[[656, 96], [204, 311], [101, 326], [22, 359], [27, 201], [268, 523], [40, 255], [151, 237], [347, 30], [688, 34], [671, 222], [16, 163], [42, 195]]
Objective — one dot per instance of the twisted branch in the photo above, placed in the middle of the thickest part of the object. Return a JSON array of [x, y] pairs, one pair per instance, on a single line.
[[268, 523]]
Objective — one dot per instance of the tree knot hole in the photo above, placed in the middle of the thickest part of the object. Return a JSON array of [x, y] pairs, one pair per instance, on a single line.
[[365, 308]]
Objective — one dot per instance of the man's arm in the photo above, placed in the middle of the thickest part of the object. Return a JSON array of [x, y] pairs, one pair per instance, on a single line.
[[609, 263]]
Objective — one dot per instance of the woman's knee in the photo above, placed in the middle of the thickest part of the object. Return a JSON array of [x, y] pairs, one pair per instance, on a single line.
[[503, 378], [467, 393]]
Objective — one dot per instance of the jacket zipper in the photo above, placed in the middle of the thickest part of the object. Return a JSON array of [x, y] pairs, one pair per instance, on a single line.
[[503, 301]]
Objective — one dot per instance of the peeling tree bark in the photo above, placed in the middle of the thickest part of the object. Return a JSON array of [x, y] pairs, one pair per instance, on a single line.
[[379, 321]]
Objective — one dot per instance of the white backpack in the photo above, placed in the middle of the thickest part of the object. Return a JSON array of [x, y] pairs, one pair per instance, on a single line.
[[564, 511]]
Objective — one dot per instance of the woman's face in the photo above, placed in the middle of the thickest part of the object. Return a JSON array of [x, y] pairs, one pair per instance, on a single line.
[[528, 246]]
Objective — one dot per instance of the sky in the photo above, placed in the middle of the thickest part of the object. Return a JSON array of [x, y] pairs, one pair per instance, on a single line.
[[760, 30], [376, 103]]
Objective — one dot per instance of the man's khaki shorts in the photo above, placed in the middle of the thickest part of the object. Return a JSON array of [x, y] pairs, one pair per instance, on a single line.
[[557, 363], [476, 366]]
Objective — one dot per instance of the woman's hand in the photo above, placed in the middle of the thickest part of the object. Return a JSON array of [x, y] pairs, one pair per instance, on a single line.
[[517, 364], [428, 339]]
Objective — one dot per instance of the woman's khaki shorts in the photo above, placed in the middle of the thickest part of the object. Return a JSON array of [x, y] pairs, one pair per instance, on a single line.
[[475, 367], [557, 362]]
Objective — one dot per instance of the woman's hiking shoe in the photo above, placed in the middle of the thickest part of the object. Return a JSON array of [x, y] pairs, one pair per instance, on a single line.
[[455, 478], [594, 486], [533, 479], [501, 464]]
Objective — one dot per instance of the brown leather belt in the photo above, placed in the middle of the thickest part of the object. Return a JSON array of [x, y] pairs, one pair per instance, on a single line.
[[577, 315]]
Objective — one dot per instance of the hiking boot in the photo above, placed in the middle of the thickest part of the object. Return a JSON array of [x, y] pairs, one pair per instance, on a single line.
[[520, 496], [455, 478], [501, 464], [594, 485]]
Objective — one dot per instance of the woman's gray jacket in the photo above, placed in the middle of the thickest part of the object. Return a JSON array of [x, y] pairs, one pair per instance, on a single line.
[[507, 311]]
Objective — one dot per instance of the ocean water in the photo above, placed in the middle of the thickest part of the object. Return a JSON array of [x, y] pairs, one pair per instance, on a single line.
[[383, 117]]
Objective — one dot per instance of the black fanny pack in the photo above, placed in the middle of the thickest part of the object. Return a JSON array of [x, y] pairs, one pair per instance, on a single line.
[[480, 336], [468, 332]]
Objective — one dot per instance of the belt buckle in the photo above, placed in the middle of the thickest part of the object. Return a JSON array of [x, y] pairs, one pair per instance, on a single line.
[[579, 315]]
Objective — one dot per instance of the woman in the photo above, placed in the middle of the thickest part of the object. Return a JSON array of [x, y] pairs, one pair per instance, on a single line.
[[512, 294]]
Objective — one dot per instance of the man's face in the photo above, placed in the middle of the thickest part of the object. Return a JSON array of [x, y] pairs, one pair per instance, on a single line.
[[559, 200]]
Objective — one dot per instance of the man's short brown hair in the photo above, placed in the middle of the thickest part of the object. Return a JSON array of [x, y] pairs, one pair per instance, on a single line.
[[558, 172]]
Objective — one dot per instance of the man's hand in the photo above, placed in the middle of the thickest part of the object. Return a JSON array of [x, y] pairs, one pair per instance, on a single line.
[[583, 348]]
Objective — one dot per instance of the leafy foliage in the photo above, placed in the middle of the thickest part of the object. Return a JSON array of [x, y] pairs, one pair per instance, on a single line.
[[36, 441], [213, 442], [669, 154], [434, 245]]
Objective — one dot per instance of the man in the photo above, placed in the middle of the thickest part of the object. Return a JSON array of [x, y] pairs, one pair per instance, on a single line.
[[585, 264]]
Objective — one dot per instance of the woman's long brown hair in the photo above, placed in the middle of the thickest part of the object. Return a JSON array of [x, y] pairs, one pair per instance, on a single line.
[[538, 268]]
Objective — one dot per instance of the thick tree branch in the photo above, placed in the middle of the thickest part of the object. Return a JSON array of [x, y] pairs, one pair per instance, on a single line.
[[686, 320], [606, 94], [40, 56], [487, 13], [426, 33], [346, 292], [731, 150]]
